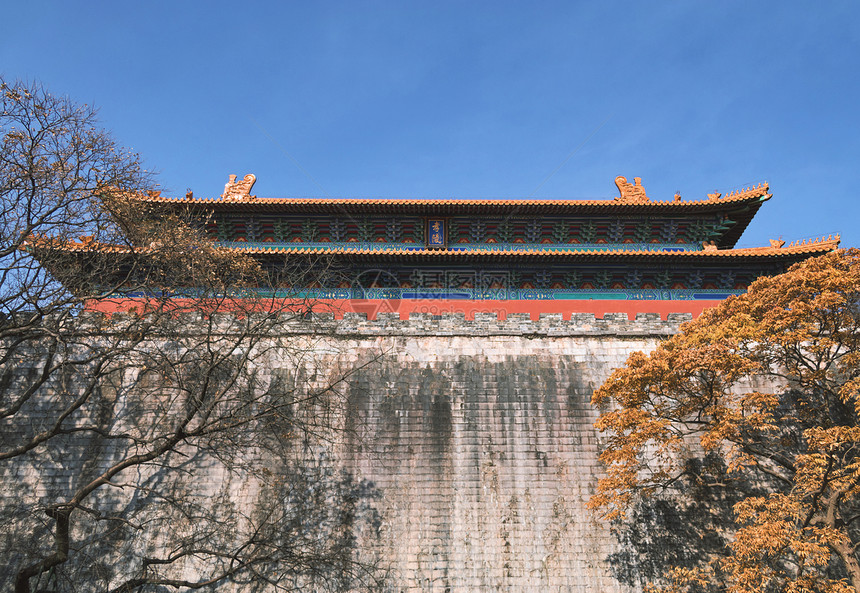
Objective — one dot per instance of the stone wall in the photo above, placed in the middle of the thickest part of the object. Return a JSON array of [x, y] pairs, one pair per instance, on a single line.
[[478, 436]]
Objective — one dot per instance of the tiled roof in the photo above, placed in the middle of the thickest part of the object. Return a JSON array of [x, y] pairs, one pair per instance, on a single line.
[[759, 193], [740, 206], [817, 246]]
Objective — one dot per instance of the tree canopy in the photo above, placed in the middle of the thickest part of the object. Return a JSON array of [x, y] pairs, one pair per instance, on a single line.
[[125, 440], [749, 416]]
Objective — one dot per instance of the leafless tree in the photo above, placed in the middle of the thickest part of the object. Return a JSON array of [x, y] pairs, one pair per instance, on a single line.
[[180, 444]]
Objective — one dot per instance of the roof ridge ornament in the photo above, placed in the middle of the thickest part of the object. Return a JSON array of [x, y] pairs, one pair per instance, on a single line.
[[760, 189], [631, 192], [816, 241], [239, 190]]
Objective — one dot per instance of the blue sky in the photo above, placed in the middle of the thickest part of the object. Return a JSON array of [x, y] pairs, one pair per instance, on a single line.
[[472, 99]]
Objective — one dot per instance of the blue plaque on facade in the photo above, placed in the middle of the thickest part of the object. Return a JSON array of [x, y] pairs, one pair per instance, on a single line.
[[436, 232]]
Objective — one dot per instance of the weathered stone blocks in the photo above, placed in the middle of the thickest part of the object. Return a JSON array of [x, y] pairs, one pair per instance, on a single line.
[[477, 433]]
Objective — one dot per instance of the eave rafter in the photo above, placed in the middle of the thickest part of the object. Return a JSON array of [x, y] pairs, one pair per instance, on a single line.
[[777, 250]]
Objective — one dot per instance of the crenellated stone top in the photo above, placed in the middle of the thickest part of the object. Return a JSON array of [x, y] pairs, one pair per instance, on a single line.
[[515, 324], [420, 324]]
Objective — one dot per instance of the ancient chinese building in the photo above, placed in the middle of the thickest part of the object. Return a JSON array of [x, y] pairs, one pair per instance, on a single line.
[[629, 254]]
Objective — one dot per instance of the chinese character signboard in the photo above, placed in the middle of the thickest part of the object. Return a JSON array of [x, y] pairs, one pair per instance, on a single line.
[[436, 233]]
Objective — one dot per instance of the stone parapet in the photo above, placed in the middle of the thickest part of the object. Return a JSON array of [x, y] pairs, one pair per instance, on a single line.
[[425, 324], [516, 324]]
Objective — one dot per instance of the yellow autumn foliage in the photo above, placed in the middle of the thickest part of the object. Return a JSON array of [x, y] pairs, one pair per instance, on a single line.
[[768, 383]]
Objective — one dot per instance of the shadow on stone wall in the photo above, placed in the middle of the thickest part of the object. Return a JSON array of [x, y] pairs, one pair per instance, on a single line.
[[684, 526], [691, 523], [294, 523]]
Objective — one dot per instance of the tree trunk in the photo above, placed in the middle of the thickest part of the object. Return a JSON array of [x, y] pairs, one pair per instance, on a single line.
[[61, 539], [843, 548], [845, 551]]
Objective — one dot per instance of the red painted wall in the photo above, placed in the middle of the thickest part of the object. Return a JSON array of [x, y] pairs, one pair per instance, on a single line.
[[438, 307]]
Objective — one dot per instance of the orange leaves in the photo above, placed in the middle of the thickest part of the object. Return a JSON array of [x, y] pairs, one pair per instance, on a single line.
[[681, 580], [769, 382], [831, 439], [772, 529]]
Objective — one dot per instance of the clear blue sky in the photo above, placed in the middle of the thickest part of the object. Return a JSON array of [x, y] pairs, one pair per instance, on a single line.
[[472, 99]]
